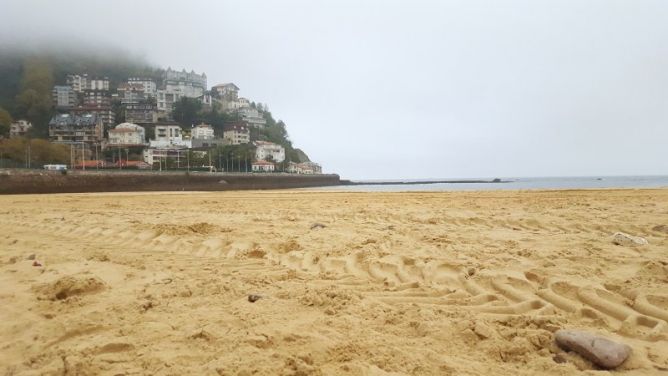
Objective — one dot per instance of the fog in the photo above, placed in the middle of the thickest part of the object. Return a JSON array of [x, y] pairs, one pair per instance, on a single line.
[[411, 89]]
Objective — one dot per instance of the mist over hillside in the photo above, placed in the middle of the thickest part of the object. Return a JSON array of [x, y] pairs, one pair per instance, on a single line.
[[29, 72]]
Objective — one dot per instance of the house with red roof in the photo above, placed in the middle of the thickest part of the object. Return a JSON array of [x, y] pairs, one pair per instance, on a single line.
[[263, 166]]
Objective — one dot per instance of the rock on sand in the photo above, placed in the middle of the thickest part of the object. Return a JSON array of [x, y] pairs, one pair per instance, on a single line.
[[600, 351], [621, 238]]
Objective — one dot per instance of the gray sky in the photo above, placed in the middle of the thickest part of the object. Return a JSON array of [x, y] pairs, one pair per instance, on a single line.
[[414, 89]]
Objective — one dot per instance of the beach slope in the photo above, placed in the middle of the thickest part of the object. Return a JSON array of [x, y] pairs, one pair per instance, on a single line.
[[460, 283]]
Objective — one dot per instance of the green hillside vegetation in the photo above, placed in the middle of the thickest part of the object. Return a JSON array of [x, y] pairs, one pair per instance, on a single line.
[[27, 78], [19, 152], [189, 111]]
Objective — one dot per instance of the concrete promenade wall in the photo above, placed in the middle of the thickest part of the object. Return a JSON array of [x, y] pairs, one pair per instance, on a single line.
[[18, 182]]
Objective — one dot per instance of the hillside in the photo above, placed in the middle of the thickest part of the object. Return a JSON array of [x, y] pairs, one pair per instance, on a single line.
[[27, 77]]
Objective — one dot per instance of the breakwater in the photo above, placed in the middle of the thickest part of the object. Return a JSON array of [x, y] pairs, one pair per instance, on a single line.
[[422, 182], [20, 182]]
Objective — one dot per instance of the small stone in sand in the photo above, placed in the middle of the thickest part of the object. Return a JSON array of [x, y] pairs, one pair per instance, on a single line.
[[31, 257], [317, 225], [600, 351], [661, 228], [621, 238], [36, 263], [254, 298]]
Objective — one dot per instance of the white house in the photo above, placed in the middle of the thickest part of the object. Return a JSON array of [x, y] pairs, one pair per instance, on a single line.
[[308, 168], [19, 128], [252, 117], [178, 156], [263, 166], [167, 136], [127, 134], [264, 149], [131, 93], [202, 132], [227, 91], [79, 83], [236, 133], [148, 84], [101, 83]]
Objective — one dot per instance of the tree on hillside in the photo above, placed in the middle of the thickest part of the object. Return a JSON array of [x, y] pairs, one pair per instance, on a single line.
[[186, 111], [119, 111], [34, 100], [23, 69], [235, 158], [41, 151], [5, 122], [217, 119]]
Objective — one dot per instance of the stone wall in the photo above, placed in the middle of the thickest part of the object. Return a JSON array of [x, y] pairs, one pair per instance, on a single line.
[[17, 182]]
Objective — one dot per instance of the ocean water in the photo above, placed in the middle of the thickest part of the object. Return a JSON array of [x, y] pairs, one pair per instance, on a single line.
[[524, 183]]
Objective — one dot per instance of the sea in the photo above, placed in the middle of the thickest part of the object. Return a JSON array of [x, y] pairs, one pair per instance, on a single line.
[[588, 182]]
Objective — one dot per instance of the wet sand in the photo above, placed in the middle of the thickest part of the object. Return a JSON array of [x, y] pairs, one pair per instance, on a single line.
[[460, 283]]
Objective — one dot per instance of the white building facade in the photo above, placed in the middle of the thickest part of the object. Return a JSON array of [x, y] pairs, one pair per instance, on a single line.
[[19, 128], [179, 84], [77, 82], [253, 117], [178, 156], [202, 132], [307, 168], [168, 136], [264, 149], [101, 83], [236, 133], [263, 166], [126, 134], [64, 97], [150, 88], [227, 91]]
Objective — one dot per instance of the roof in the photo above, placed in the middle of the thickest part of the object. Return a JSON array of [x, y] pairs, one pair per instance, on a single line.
[[126, 127], [78, 120], [262, 163], [226, 85], [125, 163], [90, 163], [239, 126]]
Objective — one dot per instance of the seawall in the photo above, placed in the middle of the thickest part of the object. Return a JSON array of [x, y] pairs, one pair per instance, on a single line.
[[19, 182]]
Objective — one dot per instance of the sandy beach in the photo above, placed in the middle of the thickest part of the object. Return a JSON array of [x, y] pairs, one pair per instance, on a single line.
[[438, 283]]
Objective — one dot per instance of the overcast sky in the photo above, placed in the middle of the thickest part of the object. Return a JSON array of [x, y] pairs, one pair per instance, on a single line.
[[414, 89]]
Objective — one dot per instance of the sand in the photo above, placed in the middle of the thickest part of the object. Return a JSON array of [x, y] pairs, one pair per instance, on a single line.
[[458, 283]]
